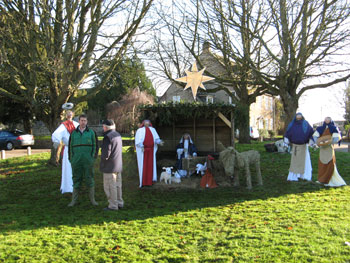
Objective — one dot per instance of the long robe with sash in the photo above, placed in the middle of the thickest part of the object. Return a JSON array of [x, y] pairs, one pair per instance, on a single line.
[[327, 169], [62, 133], [146, 142], [299, 135]]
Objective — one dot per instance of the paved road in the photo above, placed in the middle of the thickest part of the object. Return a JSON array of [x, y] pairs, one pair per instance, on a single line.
[[343, 147], [23, 152]]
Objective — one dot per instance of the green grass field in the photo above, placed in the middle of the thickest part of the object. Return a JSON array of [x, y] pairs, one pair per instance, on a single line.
[[279, 222]]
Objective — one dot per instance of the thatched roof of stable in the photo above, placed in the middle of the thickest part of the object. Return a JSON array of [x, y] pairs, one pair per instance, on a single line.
[[167, 113]]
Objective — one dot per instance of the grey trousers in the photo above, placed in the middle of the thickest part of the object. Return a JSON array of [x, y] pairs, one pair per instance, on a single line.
[[112, 184]]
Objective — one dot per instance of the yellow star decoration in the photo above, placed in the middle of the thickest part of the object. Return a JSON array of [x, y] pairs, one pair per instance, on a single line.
[[194, 79]]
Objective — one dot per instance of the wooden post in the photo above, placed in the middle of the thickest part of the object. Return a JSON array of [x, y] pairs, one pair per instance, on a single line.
[[29, 150], [232, 130], [3, 155], [194, 129], [174, 135], [214, 139]]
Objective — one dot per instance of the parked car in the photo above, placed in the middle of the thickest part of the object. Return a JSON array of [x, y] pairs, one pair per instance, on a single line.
[[15, 139]]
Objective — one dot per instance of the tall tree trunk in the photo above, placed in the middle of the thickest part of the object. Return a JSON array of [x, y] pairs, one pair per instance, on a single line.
[[53, 157], [52, 125], [27, 126], [243, 125], [27, 120], [290, 105]]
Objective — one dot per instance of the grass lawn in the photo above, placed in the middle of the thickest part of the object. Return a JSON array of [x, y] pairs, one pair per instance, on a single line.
[[279, 222]]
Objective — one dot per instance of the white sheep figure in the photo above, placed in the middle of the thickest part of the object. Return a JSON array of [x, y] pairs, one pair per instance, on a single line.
[[166, 175], [200, 168], [282, 147], [176, 178]]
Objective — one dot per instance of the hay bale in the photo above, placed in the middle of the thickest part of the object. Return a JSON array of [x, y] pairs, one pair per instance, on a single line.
[[192, 182], [190, 163]]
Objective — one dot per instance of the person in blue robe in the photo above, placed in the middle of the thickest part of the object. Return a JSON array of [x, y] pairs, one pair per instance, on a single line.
[[185, 149], [298, 136]]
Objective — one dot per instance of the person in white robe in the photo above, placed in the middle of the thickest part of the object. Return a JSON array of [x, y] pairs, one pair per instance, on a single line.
[[146, 142], [62, 133]]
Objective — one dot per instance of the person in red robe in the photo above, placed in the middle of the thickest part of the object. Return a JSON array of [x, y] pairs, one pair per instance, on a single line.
[[148, 155], [208, 180], [146, 142]]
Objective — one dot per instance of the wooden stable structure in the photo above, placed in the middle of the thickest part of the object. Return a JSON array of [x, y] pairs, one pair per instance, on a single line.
[[205, 131]]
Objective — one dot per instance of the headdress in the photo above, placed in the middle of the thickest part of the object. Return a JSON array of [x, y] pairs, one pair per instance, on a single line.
[[67, 106], [143, 123]]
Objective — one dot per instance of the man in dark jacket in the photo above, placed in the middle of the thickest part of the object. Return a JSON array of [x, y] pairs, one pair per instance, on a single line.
[[111, 165]]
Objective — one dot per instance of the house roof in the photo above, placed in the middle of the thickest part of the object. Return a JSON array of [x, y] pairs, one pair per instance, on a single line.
[[166, 113], [219, 65]]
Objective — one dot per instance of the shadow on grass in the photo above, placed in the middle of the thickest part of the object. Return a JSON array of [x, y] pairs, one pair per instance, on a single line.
[[30, 197]]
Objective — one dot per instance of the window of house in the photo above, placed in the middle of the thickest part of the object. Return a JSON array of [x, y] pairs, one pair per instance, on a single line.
[[210, 99], [266, 124], [267, 102], [271, 124], [230, 100], [261, 123], [176, 98], [252, 120], [271, 104]]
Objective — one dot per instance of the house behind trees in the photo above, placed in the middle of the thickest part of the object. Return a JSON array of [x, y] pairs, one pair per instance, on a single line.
[[262, 112]]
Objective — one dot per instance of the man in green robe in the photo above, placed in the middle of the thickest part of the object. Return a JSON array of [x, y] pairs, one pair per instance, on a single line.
[[83, 150]]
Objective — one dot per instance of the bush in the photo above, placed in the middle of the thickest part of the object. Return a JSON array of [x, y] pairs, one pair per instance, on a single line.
[[272, 133], [263, 133]]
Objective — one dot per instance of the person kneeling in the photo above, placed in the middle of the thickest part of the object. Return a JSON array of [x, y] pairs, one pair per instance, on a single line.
[[185, 149]]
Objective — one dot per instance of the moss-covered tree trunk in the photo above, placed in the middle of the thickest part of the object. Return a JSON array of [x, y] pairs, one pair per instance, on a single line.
[[290, 106], [243, 123]]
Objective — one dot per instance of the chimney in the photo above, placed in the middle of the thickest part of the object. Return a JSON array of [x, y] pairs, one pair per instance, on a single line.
[[206, 47]]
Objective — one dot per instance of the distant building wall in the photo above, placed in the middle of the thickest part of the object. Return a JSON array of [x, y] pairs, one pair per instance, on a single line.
[[39, 129]]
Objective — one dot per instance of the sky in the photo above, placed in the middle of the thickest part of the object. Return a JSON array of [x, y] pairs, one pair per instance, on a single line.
[[317, 104]]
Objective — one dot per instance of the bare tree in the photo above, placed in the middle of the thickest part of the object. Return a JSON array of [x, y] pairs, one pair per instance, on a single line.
[[280, 47], [126, 113], [226, 27], [307, 44], [51, 47]]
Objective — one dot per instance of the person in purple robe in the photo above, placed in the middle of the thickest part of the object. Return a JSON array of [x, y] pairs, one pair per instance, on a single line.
[[298, 136]]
